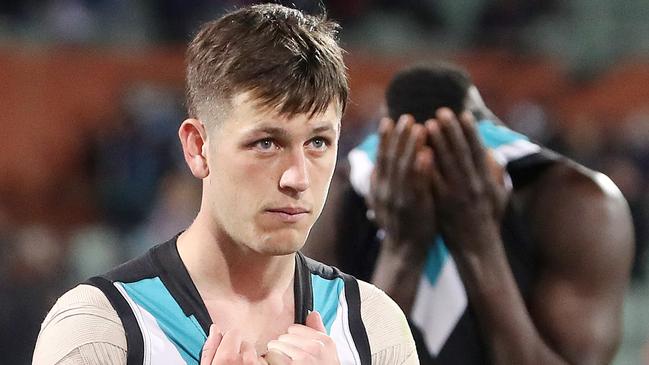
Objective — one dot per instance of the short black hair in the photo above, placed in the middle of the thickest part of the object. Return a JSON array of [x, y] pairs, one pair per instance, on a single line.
[[422, 89]]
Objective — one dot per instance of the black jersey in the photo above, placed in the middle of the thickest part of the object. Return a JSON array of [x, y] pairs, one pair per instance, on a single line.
[[443, 323], [166, 321]]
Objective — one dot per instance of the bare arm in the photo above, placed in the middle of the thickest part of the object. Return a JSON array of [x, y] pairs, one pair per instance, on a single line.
[[403, 203], [582, 226], [586, 250]]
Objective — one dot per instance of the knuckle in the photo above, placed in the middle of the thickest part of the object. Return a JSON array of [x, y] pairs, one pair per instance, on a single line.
[[227, 358], [403, 166], [328, 341], [285, 337], [315, 348], [476, 190], [380, 197], [402, 205], [302, 357], [388, 204], [399, 209]]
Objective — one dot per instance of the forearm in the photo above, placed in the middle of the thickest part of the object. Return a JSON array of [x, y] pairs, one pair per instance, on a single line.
[[398, 270], [505, 322]]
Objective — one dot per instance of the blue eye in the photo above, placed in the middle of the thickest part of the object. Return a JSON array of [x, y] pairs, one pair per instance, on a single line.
[[265, 144], [319, 143]]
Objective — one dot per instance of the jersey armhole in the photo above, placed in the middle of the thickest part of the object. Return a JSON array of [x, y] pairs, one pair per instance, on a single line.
[[134, 339], [356, 326]]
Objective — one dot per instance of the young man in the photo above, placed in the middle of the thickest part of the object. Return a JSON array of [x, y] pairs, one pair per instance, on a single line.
[[266, 91], [506, 255]]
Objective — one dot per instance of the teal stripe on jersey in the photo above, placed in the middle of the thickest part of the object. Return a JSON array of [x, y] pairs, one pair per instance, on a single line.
[[494, 135], [437, 254], [184, 332], [370, 146], [326, 294]]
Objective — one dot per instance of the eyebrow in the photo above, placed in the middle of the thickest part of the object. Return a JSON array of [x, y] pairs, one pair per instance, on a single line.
[[324, 128], [282, 132]]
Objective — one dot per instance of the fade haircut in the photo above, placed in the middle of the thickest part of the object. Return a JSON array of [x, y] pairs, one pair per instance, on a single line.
[[290, 62], [421, 90]]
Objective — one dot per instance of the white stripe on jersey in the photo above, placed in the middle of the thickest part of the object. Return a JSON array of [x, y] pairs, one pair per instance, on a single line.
[[348, 355], [360, 171], [439, 306], [157, 348], [515, 150]]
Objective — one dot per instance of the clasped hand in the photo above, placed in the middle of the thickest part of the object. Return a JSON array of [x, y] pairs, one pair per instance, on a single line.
[[300, 345]]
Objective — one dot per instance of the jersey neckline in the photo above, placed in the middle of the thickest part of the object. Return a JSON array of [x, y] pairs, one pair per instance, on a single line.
[[176, 278]]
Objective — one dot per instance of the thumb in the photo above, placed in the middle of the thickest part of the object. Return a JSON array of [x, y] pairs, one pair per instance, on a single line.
[[211, 345], [313, 320]]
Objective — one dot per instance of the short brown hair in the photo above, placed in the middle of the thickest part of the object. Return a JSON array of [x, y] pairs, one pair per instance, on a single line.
[[288, 60]]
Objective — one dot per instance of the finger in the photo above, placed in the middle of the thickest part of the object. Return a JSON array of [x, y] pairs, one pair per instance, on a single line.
[[467, 123], [371, 198], [423, 167], [229, 348], [496, 170], [457, 143], [424, 160], [211, 345], [289, 349], [437, 183], [311, 345], [385, 131], [308, 332], [274, 357], [413, 145], [314, 320], [442, 162], [397, 144], [248, 354]]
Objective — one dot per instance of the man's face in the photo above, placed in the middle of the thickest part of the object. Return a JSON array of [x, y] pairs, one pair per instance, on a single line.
[[269, 175]]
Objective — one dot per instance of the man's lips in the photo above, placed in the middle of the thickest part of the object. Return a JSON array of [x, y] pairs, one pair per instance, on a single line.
[[289, 214], [288, 210]]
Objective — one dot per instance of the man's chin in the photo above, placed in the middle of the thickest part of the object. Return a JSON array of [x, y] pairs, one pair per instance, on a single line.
[[281, 245], [278, 250]]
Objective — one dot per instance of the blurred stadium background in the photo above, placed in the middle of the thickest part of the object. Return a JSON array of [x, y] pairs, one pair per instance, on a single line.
[[91, 94]]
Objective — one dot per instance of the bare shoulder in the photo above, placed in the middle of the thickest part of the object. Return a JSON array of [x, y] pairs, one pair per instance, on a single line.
[[583, 231], [386, 326], [81, 317], [580, 215]]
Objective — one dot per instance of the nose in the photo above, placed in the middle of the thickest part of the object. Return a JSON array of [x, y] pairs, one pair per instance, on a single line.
[[295, 177]]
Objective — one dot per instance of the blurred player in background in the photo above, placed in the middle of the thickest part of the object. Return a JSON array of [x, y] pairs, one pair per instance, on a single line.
[[266, 91], [501, 251]]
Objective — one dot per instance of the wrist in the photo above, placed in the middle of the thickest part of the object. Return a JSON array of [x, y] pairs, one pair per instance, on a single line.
[[406, 248], [484, 271], [397, 273], [401, 255], [475, 244]]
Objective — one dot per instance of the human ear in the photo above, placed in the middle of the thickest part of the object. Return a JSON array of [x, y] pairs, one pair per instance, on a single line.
[[193, 139]]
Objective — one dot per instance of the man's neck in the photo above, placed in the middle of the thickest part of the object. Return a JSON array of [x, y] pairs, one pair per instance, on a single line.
[[221, 268]]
